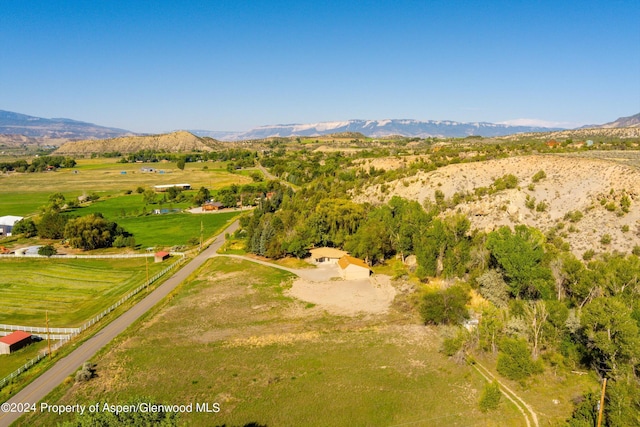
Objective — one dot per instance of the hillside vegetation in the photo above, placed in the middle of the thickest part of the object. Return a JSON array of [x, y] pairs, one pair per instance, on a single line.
[[594, 188]]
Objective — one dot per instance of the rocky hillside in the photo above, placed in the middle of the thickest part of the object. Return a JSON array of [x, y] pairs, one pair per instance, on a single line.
[[595, 188], [176, 142], [623, 122]]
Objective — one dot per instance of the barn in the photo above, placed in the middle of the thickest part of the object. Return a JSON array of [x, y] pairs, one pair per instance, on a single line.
[[212, 206], [161, 256], [353, 268], [326, 255], [14, 342]]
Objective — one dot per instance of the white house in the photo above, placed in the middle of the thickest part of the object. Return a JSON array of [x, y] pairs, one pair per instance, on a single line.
[[7, 223], [353, 268]]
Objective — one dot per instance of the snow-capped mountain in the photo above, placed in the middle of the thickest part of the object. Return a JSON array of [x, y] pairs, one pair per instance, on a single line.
[[378, 128]]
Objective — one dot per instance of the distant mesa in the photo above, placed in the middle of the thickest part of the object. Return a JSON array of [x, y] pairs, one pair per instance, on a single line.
[[176, 142]]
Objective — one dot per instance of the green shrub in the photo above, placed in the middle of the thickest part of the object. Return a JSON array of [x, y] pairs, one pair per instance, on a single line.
[[538, 176], [588, 255], [625, 228], [606, 239], [541, 207], [452, 345], [445, 306], [47, 250], [573, 216], [530, 202], [490, 398], [636, 250], [514, 360], [610, 206], [625, 203]]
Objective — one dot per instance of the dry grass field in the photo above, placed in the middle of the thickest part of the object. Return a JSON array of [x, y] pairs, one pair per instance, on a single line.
[[231, 335]]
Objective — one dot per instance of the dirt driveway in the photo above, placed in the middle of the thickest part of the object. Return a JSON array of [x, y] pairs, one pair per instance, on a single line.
[[347, 297], [322, 286]]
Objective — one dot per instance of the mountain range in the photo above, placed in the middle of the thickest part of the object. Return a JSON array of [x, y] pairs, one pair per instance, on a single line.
[[66, 129], [37, 127], [377, 129]]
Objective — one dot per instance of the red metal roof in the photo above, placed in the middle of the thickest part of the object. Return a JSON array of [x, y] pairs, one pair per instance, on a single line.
[[162, 254], [15, 337]]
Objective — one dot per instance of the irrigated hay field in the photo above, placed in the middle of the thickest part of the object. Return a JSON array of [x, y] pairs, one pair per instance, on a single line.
[[71, 291], [268, 359], [157, 230]]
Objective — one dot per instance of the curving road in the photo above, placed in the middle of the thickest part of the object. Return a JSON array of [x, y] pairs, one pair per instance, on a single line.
[[44, 384]]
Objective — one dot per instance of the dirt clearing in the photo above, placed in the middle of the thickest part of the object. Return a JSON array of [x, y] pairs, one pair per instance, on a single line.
[[347, 297]]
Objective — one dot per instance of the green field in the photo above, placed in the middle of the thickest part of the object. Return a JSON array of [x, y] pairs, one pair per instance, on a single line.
[[71, 291], [23, 193], [157, 230], [271, 360]]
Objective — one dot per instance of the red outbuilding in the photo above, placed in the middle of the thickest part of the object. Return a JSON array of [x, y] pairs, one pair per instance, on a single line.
[[14, 341]]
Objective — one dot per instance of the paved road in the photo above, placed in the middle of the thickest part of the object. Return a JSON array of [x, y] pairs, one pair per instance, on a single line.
[[44, 384]]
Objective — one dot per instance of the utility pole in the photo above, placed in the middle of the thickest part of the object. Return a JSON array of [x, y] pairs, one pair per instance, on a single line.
[[601, 403], [46, 314], [146, 264]]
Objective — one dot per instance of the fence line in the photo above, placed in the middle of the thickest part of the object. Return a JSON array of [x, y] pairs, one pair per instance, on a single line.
[[73, 256], [96, 319], [35, 329]]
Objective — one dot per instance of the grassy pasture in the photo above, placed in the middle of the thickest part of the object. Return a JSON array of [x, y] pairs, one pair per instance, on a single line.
[[72, 291], [267, 358], [22, 194], [157, 230]]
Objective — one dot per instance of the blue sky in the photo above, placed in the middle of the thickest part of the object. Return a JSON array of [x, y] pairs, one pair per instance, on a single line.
[[154, 66]]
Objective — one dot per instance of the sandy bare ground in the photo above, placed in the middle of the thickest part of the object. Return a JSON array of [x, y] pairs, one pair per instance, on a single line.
[[347, 297]]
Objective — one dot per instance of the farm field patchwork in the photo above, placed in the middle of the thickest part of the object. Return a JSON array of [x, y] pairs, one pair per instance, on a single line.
[[273, 360]]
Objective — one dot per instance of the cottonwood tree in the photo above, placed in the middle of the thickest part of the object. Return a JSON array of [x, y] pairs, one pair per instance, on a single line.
[[611, 333], [520, 255], [91, 232]]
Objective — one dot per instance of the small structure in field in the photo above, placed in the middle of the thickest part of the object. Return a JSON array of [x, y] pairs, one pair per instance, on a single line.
[[163, 188], [326, 255], [7, 223], [161, 256], [14, 342], [212, 206], [353, 268]]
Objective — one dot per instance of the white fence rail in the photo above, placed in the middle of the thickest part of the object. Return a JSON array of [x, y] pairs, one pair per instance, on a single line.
[[88, 324], [36, 330], [72, 256]]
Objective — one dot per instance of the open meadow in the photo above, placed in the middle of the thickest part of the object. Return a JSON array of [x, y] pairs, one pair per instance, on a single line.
[[274, 360], [23, 193]]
